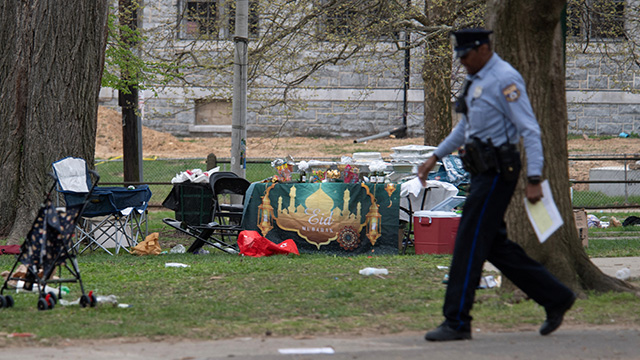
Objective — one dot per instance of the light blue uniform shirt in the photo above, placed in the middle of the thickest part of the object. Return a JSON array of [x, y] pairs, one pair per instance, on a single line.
[[499, 110]]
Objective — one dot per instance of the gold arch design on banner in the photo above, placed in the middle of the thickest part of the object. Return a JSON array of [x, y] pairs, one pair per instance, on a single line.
[[320, 219]]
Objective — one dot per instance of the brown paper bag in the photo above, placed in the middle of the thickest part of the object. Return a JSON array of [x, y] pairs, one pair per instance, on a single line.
[[150, 246]]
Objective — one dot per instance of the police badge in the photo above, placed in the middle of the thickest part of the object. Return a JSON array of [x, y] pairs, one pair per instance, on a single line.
[[511, 93]]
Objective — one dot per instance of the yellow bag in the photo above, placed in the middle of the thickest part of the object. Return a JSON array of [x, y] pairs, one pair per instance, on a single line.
[[150, 246]]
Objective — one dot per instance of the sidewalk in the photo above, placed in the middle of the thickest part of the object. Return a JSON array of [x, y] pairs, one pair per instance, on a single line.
[[593, 343], [608, 266]]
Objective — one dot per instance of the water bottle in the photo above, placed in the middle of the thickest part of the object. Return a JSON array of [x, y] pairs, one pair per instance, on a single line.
[[178, 249], [109, 299], [373, 271]]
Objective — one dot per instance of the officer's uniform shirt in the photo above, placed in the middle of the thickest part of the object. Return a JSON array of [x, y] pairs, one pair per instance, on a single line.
[[499, 109]]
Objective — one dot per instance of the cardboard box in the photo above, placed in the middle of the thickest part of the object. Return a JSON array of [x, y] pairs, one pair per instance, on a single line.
[[580, 217], [435, 231]]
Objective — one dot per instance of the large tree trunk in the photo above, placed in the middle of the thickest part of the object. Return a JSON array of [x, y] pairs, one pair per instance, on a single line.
[[528, 35], [436, 74], [51, 59]]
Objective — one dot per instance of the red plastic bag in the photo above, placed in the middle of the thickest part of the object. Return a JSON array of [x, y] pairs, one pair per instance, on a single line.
[[10, 249], [251, 243]]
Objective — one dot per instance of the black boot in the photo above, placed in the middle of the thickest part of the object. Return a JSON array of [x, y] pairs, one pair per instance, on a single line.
[[555, 316], [445, 333]]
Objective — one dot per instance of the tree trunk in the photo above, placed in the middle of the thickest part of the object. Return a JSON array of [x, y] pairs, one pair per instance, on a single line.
[[528, 35], [436, 74], [51, 62]]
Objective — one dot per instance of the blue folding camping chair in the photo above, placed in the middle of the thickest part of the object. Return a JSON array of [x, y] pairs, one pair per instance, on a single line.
[[113, 217]]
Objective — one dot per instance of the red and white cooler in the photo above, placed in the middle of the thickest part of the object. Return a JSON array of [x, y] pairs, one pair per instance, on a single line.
[[435, 231]]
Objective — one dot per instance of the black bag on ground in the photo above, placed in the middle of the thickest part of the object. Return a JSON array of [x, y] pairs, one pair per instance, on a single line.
[[631, 220]]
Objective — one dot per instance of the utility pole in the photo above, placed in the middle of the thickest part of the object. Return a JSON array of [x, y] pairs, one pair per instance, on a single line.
[[239, 121], [131, 125], [406, 80]]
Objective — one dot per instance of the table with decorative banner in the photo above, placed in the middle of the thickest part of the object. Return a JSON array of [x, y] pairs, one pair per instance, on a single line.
[[330, 217]]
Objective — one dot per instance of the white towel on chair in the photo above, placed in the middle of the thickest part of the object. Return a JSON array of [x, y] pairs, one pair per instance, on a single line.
[[412, 189]]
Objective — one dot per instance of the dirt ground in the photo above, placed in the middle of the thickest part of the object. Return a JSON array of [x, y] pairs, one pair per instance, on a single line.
[[165, 145]]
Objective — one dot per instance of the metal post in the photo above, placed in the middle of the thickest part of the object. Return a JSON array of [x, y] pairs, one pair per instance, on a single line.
[[626, 184], [407, 76], [239, 121]]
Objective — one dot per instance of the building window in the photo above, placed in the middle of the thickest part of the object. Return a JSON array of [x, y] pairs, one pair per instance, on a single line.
[[338, 22], [213, 19], [200, 19], [596, 19], [213, 112], [350, 19]]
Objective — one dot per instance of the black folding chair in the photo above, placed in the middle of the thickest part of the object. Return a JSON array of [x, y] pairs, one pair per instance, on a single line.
[[226, 216]]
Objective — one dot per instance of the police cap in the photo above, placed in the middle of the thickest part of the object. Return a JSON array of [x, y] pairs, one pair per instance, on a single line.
[[467, 39]]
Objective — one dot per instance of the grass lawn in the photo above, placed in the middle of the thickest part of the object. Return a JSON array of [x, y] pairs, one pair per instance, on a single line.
[[221, 295]]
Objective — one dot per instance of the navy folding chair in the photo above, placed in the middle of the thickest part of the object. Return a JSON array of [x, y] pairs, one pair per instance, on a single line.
[[114, 216]]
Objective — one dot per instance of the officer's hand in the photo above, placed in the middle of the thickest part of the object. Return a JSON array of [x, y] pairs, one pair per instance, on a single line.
[[533, 192], [425, 167]]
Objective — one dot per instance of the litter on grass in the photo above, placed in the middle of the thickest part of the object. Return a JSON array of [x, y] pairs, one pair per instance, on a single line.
[[178, 265]]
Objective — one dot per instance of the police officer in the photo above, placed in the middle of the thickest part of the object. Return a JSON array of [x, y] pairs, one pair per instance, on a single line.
[[496, 113]]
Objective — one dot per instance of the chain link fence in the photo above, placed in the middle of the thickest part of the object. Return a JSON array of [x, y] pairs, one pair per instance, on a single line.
[[597, 181], [157, 173], [605, 181]]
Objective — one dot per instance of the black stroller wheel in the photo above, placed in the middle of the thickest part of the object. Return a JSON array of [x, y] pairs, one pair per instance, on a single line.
[[9, 301], [52, 299], [84, 300], [3, 302], [43, 304], [93, 300]]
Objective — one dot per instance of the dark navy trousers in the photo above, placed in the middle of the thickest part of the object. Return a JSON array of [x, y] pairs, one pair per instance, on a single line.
[[482, 236]]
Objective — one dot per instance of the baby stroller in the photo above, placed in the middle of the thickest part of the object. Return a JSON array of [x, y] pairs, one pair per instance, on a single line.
[[49, 245]]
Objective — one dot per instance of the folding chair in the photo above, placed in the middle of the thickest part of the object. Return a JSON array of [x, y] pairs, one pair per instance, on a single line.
[[228, 198], [113, 216], [228, 192], [413, 197], [49, 246]]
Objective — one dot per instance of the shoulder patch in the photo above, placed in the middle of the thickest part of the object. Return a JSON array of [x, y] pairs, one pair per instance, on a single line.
[[511, 93]]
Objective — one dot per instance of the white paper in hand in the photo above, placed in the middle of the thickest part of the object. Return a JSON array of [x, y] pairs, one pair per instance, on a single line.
[[544, 215]]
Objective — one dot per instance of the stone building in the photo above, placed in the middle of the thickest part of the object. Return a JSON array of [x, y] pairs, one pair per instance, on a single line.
[[352, 100]]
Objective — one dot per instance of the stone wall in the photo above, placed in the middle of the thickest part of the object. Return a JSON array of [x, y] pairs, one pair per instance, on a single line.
[[348, 101], [601, 93]]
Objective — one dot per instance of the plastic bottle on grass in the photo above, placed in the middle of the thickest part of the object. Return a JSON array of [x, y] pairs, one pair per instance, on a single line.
[[623, 274], [178, 249], [109, 299], [373, 271]]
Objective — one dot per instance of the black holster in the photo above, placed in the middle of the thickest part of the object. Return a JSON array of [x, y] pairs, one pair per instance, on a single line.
[[509, 160], [479, 157]]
